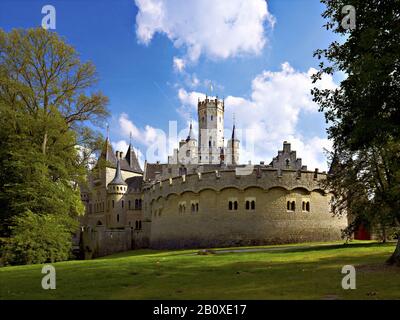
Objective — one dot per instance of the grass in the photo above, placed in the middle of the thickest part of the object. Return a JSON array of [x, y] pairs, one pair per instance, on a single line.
[[280, 272]]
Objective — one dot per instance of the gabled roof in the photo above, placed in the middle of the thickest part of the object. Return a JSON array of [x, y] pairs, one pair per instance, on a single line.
[[129, 163], [152, 169], [132, 160]]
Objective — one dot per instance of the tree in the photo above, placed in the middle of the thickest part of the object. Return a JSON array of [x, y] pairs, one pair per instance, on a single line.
[[364, 111], [47, 116]]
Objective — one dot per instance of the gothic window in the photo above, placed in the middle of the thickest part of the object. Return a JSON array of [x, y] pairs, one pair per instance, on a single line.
[[230, 206], [113, 204], [308, 206], [197, 207], [235, 205], [136, 204], [212, 118], [193, 207], [287, 162], [253, 205], [117, 217], [209, 144], [303, 206], [247, 205]]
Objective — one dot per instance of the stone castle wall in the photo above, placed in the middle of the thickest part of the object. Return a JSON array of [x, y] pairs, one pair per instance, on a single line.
[[213, 224]]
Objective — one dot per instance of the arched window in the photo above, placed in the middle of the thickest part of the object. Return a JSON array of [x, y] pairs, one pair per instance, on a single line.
[[193, 207], [308, 206], [230, 205], [113, 204], [247, 205], [140, 225], [288, 205], [212, 117], [235, 205], [136, 224], [253, 205], [197, 207], [287, 162], [129, 204], [209, 143], [293, 206], [117, 217]]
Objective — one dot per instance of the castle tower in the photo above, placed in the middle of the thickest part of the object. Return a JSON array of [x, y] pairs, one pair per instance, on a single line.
[[191, 146], [116, 190], [211, 130], [233, 149]]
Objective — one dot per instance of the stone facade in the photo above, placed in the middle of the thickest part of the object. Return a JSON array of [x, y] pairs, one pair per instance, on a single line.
[[225, 209], [190, 204]]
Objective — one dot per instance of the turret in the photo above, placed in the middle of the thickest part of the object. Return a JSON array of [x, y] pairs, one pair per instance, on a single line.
[[188, 148], [116, 190]]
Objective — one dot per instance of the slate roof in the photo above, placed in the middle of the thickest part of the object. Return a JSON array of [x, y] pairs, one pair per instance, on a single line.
[[118, 180], [128, 163]]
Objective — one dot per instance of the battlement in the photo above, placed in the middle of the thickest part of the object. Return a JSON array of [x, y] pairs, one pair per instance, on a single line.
[[263, 178], [206, 103]]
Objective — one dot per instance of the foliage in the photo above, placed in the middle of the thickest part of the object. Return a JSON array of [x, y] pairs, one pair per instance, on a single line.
[[47, 136], [39, 239], [364, 111]]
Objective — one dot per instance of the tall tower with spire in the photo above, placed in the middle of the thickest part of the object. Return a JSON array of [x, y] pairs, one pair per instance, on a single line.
[[233, 148], [211, 130]]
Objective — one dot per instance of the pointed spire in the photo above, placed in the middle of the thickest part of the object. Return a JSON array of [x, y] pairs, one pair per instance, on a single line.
[[118, 180], [191, 135]]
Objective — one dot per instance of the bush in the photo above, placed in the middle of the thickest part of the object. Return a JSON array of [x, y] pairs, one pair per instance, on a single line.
[[38, 239]]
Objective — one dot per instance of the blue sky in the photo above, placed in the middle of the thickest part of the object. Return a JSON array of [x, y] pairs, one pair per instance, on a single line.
[[133, 45]]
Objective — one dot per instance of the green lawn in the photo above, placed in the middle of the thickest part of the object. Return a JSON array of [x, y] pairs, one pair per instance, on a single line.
[[286, 272]]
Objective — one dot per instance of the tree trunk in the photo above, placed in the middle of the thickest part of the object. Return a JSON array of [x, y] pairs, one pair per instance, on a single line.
[[395, 258], [44, 144]]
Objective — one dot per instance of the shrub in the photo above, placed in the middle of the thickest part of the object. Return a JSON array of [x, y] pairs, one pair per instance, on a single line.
[[38, 239]]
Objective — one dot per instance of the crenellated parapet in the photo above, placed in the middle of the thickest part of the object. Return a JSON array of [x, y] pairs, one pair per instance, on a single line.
[[263, 178]]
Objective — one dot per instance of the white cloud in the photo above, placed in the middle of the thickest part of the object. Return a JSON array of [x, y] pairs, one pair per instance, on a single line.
[[179, 64], [206, 26], [271, 115]]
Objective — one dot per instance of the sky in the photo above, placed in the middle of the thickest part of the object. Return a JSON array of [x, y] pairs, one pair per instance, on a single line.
[[155, 58]]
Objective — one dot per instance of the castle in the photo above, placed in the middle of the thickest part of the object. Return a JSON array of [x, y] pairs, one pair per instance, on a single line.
[[202, 197]]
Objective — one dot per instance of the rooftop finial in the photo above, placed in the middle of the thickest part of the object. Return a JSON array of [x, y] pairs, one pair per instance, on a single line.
[[108, 131]]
